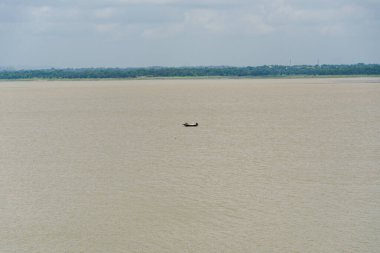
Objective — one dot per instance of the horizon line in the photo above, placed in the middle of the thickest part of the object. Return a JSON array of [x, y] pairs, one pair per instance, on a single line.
[[30, 68]]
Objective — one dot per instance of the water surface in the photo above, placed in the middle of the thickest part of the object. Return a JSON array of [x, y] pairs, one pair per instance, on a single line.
[[274, 166]]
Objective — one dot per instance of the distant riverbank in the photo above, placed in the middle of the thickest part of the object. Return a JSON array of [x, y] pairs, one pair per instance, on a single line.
[[266, 71], [188, 78]]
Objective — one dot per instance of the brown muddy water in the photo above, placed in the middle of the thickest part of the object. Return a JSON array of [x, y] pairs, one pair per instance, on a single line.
[[106, 166]]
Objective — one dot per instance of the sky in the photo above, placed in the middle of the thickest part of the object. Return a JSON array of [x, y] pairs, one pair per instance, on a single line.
[[141, 33]]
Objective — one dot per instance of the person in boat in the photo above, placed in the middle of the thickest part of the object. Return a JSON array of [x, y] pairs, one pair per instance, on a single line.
[[190, 125]]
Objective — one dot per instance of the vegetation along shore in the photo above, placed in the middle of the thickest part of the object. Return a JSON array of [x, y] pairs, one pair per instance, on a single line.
[[359, 69]]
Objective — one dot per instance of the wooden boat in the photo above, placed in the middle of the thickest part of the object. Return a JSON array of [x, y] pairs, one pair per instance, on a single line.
[[190, 125]]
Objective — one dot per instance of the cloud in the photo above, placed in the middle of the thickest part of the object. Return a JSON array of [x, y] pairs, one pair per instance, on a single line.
[[205, 19], [258, 24], [333, 30], [106, 27], [145, 2], [105, 13], [161, 32]]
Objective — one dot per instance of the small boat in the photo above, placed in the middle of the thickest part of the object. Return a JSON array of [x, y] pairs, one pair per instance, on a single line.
[[190, 125]]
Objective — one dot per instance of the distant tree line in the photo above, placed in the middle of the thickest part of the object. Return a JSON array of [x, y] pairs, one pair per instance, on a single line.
[[224, 71]]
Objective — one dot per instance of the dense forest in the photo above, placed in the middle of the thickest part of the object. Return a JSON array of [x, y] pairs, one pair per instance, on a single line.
[[223, 71]]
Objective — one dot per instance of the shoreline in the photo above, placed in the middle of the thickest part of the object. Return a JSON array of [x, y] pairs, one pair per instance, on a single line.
[[194, 78]]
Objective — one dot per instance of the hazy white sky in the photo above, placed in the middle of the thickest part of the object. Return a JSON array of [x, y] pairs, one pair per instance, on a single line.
[[132, 33]]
